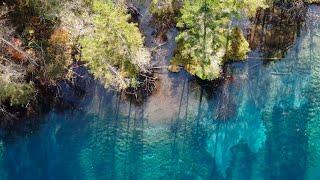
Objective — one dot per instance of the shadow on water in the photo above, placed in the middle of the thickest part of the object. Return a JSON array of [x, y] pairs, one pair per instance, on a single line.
[[276, 29]]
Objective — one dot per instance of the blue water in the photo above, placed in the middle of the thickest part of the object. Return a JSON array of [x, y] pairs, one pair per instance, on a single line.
[[263, 122]]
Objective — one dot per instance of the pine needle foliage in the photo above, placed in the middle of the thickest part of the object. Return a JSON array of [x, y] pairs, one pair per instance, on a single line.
[[207, 36], [114, 52]]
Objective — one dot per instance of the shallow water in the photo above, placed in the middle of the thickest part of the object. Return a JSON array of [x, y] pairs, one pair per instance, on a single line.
[[263, 122]]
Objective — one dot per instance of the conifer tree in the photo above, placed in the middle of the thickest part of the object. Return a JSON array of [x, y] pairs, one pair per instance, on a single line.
[[114, 51], [207, 35]]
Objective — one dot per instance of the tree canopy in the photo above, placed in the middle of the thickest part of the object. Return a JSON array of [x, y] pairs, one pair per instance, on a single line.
[[114, 51], [42, 40], [208, 36]]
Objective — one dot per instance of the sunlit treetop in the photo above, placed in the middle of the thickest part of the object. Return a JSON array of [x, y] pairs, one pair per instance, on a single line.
[[114, 52], [207, 34]]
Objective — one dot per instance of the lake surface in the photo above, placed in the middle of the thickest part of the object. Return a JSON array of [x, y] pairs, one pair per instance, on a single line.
[[262, 122]]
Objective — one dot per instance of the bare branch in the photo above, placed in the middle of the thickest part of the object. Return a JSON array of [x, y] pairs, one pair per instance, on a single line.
[[31, 60]]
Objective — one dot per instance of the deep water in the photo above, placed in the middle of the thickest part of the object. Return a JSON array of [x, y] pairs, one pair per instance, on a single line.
[[262, 122]]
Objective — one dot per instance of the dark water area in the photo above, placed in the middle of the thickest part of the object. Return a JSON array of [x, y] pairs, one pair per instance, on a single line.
[[261, 122]]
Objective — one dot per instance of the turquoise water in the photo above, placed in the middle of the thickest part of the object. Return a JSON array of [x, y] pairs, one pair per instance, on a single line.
[[263, 122]]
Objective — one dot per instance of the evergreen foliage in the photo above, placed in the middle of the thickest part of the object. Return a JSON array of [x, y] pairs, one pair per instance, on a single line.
[[207, 35], [238, 46], [44, 34], [41, 49], [18, 94], [164, 14], [47, 8], [114, 52], [13, 88]]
